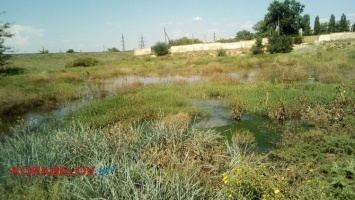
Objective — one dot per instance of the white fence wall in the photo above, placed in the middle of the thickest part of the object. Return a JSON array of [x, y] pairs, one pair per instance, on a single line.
[[214, 46], [141, 52], [336, 36]]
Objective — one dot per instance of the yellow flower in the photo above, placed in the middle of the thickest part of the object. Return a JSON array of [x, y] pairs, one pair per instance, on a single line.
[[282, 178], [230, 196], [311, 170], [276, 191], [225, 178], [308, 181]]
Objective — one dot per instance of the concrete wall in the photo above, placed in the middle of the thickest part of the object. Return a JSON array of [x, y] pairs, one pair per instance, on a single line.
[[141, 52], [237, 45], [214, 46], [336, 36]]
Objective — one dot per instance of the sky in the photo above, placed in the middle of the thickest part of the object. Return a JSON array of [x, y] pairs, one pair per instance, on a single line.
[[94, 26]]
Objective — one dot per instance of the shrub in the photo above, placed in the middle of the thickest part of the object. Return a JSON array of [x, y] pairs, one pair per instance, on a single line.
[[298, 39], [43, 51], [70, 51], [257, 48], [280, 44], [160, 48], [221, 52], [82, 62], [113, 49]]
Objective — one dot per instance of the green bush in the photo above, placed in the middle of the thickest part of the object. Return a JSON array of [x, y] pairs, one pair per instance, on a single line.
[[160, 48], [298, 39], [280, 44], [113, 49], [70, 51], [43, 51], [82, 62], [257, 48], [221, 52]]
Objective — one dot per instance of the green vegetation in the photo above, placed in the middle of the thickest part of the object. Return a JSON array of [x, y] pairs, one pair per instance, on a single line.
[[70, 51], [284, 16], [280, 44], [184, 41], [161, 48], [113, 49], [258, 47], [82, 62], [43, 51], [3, 49], [146, 131], [221, 52], [244, 35]]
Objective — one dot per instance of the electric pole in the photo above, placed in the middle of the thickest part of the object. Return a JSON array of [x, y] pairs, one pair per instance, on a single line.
[[214, 36], [166, 36], [141, 43], [123, 47]]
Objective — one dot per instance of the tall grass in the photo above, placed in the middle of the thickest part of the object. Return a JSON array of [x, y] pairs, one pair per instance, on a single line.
[[139, 174]]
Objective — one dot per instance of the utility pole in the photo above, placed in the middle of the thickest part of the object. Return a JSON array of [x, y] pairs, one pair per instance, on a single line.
[[214, 36], [166, 36], [141, 43], [278, 24], [123, 47]]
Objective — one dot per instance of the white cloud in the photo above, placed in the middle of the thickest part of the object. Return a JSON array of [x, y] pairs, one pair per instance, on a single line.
[[23, 34], [248, 25], [197, 18]]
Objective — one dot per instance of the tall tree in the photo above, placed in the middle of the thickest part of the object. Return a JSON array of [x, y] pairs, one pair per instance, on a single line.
[[332, 25], [306, 24], [284, 16], [261, 29], [244, 35], [316, 29], [353, 27], [323, 29], [4, 33], [343, 24]]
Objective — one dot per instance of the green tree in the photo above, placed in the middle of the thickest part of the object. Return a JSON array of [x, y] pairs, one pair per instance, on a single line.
[[4, 33], [323, 29], [332, 25], [43, 51], [244, 35], [316, 29], [353, 27], [280, 44], [161, 48], [343, 24], [184, 41], [70, 51], [306, 25], [286, 16], [257, 48], [113, 49], [261, 29]]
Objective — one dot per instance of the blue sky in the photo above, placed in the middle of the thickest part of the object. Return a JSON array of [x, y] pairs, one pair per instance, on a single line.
[[93, 25]]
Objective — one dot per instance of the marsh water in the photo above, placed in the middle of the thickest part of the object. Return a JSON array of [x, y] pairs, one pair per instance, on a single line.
[[218, 113], [263, 129]]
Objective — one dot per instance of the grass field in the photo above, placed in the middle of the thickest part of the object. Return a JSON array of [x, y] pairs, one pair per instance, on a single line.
[[145, 131]]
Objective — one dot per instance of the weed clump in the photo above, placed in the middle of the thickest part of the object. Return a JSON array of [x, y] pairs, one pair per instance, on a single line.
[[221, 53], [82, 62], [236, 111]]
